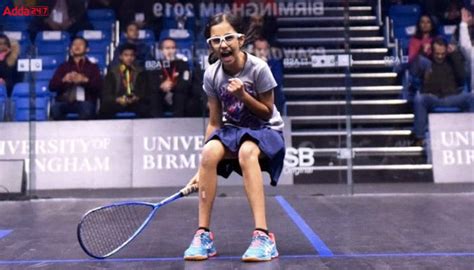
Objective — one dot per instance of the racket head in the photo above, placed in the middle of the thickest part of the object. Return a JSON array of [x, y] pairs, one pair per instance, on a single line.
[[105, 230]]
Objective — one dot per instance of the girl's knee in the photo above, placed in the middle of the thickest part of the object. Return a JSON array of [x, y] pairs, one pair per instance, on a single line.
[[248, 152], [212, 154]]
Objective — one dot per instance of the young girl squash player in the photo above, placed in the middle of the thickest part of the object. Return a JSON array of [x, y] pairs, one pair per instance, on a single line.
[[244, 134]]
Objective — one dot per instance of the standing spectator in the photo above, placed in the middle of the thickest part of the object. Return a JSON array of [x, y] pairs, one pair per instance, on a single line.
[[262, 50], [443, 86], [175, 81], [143, 51], [465, 31], [125, 87], [64, 15], [77, 83], [9, 52]]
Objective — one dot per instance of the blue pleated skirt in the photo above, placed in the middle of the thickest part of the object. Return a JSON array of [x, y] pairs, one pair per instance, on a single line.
[[270, 142]]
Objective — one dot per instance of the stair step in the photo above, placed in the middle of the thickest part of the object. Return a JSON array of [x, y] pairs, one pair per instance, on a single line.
[[341, 3], [340, 119], [402, 132], [335, 90], [402, 151], [334, 41], [304, 53], [328, 32], [326, 20], [393, 173], [335, 107], [360, 138], [337, 79]]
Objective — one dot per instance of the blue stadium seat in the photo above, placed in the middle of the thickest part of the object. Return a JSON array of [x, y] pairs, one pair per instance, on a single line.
[[51, 61], [404, 15], [20, 100], [145, 35], [98, 58], [3, 101], [102, 19], [125, 115], [45, 75], [23, 40], [99, 40], [447, 31], [52, 42], [16, 23]]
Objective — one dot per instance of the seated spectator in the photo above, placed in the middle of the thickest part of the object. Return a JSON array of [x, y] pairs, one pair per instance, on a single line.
[[262, 51], [77, 83], [443, 86], [64, 15], [143, 51], [174, 79], [143, 13], [124, 87], [419, 47], [9, 52], [263, 27], [444, 11]]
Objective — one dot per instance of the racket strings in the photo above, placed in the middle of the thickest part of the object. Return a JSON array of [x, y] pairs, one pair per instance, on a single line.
[[106, 229]]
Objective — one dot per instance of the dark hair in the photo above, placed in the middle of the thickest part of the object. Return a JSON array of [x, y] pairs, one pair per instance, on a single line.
[[80, 38], [261, 39], [127, 46], [166, 39], [439, 41], [7, 40], [434, 30], [234, 21], [131, 23]]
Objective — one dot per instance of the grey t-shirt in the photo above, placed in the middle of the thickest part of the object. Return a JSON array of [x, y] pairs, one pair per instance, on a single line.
[[257, 78]]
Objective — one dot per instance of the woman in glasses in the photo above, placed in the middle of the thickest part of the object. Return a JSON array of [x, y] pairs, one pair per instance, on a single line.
[[244, 134]]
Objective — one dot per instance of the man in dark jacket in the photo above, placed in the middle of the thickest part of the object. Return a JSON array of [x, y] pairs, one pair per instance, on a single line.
[[442, 86], [125, 87], [173, 81], [77, 83]]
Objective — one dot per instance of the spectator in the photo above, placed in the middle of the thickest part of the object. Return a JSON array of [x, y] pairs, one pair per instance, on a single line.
[[174, 82], [420, 43], [77, 83], [125, 87], [263, 27], [444, 11], [143, 12], [443, 86], [465, 31], [143, 51], [64, 15], [261, 49], [419, 53], [9, 52]]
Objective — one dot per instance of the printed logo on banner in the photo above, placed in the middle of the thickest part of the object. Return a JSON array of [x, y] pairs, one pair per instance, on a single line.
[[80, 154]]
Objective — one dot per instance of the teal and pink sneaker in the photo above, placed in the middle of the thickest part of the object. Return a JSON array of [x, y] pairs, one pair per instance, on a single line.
[[262, 248], [202, 246]]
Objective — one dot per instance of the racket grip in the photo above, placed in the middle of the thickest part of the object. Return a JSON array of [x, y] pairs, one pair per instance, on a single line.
[[189, 189]]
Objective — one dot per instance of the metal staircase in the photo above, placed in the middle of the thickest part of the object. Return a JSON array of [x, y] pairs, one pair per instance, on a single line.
[[381, 120]]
